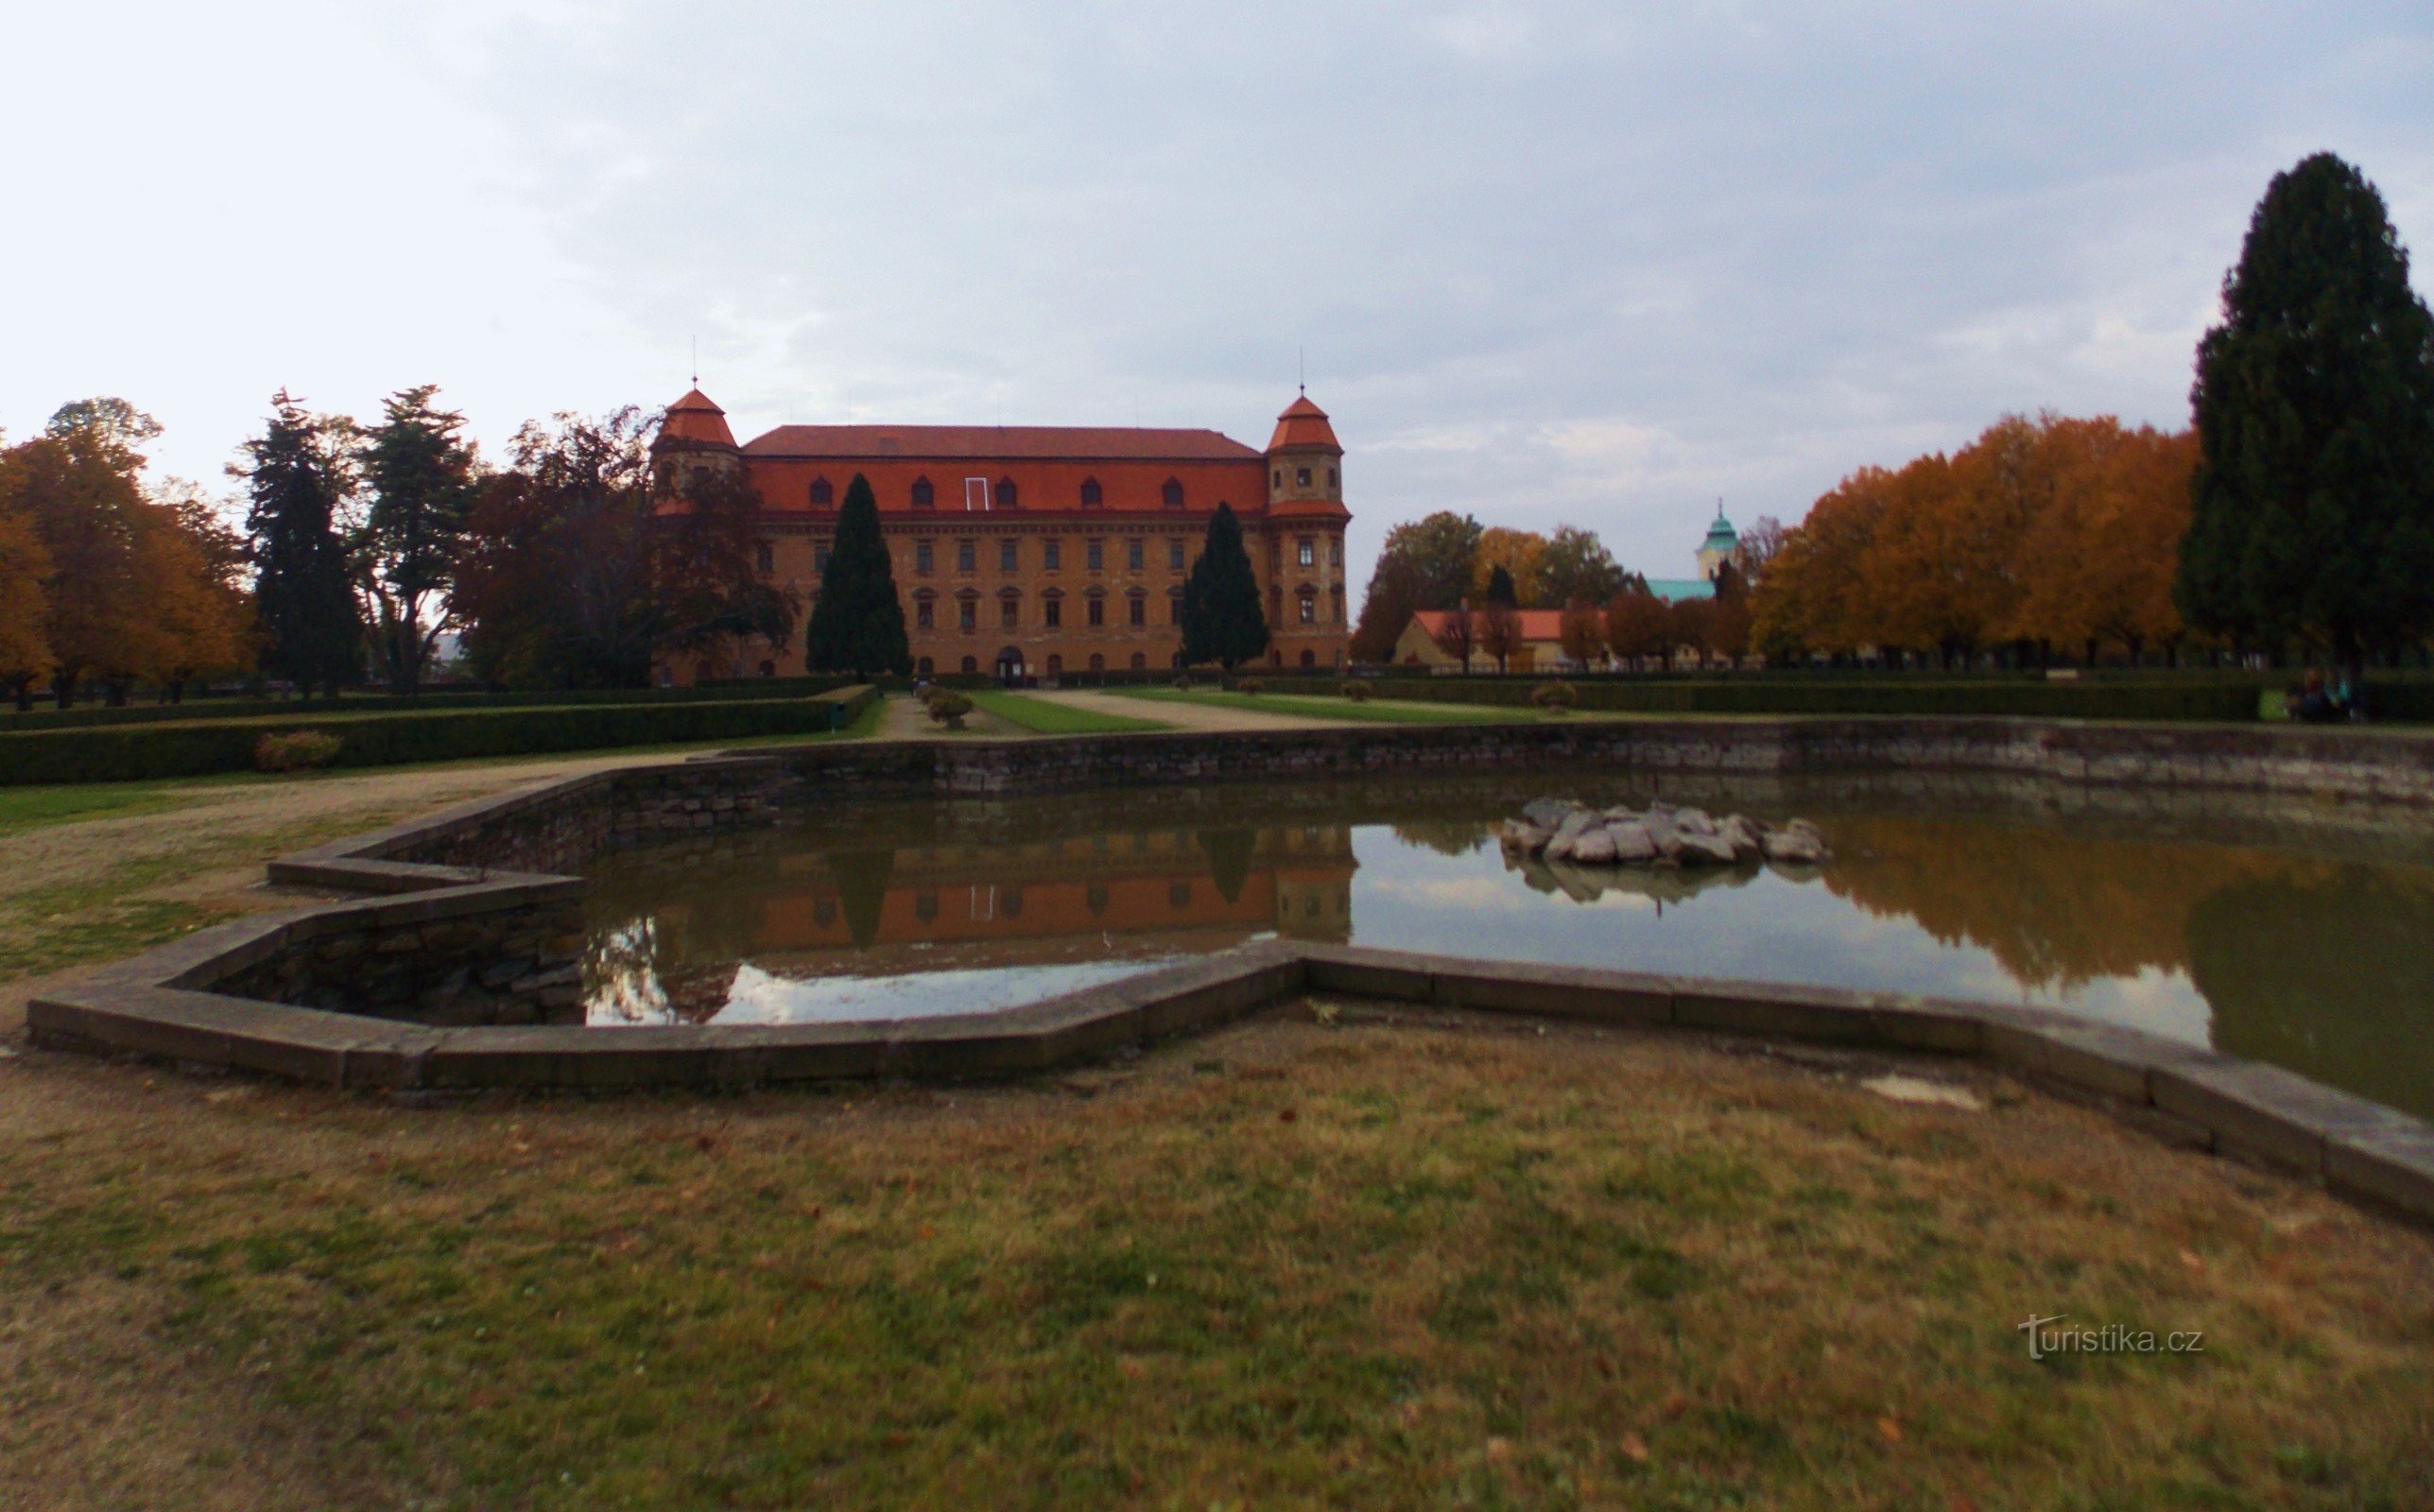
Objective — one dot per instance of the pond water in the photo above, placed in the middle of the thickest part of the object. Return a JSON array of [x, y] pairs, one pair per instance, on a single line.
[[2303, 939]]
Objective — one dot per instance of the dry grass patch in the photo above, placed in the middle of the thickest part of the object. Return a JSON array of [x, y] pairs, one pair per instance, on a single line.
[[1371, 1264]]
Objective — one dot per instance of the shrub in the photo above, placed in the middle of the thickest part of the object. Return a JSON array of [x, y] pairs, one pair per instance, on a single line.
[[1249, 685], [948, 709], [296, 751], [143, 753], [1356, 691], [1554, 697], [1183, 683]]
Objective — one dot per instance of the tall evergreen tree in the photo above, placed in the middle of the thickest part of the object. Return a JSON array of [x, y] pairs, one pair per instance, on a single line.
[[859, 624], [1500, 590], [2313, 504], [421, 472], [1223, 619], [299, 478]]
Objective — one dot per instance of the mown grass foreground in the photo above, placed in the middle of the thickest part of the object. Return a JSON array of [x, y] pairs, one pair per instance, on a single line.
[[1319, 706], [1302, 1262], [1042, 717]]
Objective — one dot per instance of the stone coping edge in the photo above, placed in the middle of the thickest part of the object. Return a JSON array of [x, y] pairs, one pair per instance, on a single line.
[[2361, 1150]]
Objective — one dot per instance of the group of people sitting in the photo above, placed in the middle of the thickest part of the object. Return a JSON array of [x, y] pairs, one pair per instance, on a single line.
[[2319, 705]]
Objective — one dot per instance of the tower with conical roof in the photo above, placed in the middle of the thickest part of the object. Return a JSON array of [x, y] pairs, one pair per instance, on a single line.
[[692, 439]]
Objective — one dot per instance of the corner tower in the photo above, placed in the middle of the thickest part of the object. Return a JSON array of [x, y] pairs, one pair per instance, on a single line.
[[692, 441], [1717, 549], [1306, 464], [1304, 529]]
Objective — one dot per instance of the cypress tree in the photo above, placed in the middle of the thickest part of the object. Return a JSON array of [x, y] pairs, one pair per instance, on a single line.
[[859, 624], [299, 481], [1222, 620], [1501, 588], [2313, 503]]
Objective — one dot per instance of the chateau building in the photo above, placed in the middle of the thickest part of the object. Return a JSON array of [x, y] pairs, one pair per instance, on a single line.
[[1033, 550]]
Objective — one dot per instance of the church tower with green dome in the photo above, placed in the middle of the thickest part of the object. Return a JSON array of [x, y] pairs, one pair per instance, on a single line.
[[1717, 549]]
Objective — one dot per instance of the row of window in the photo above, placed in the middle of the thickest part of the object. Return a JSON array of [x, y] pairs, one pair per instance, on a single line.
[[980, 493], [1302, 477], [1136, 609], [1009, 554]]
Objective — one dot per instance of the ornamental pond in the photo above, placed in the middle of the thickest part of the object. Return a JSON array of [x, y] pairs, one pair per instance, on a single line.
[[2297, 934]]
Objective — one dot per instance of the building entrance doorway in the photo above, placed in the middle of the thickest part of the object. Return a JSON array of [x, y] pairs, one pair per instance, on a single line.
[[1009, 666]]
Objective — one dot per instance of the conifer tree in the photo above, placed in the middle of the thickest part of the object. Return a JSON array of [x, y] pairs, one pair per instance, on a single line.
[[859, 624], [2313, 504], [1501, 588], [1223, 619], [421, 471], [299, 481]]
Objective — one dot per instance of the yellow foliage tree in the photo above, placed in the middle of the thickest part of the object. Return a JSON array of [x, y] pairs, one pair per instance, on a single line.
[[1522, 552]]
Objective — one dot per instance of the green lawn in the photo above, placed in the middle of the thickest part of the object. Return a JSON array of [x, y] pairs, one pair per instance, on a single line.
[[1041, 717], [1320, 706], [26, 808], [1290, 1265]]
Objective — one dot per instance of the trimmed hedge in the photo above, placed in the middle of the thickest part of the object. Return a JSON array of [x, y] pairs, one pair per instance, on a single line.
[[117, 754], [2045, 701], [733, 690]]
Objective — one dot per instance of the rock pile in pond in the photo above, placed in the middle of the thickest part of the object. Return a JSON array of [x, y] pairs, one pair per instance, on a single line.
[[1658, 835]]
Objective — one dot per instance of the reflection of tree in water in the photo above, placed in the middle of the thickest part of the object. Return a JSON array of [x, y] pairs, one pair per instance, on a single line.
[[2330, 974], [620, 972], [2056, 910], [1447, 838], [861, 890], [1228, 853]]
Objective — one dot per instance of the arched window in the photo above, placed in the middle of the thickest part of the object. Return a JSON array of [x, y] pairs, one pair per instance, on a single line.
[[1140, 660], [972, 663], [823, 495], [1097, 663], [1006, 493], [764, 558], [1171, 495], [1091, 495], [1056, 665], [1309, 659], [924, 497], [925, 666]]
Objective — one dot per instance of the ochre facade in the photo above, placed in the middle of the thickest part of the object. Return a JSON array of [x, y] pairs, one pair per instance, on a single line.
[[1038, 551]]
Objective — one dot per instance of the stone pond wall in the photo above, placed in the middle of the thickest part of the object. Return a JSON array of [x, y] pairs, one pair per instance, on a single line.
[[516, 963], [511, 956]]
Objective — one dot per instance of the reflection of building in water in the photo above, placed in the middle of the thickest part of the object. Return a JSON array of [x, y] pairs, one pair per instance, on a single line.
[[926, 907]]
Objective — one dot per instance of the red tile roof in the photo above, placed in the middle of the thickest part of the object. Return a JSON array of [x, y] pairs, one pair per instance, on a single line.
[[999, 442], [1304, 423], [694, 418], [1536, 623]]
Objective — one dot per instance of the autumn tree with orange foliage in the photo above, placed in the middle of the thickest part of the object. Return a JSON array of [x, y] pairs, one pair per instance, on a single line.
[[2040, 533], [1581, 632], [1639, 625], [132, 586]]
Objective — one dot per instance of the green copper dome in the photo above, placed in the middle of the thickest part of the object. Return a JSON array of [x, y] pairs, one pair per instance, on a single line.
[[1721, 536]]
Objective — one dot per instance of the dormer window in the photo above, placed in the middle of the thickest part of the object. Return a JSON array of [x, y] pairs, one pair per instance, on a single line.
[[1006, 493], [924, 497], [1092, 497], [824, 494], [1172, 494]]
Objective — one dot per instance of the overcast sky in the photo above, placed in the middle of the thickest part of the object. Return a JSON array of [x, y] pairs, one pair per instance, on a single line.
[[1549, 262]]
